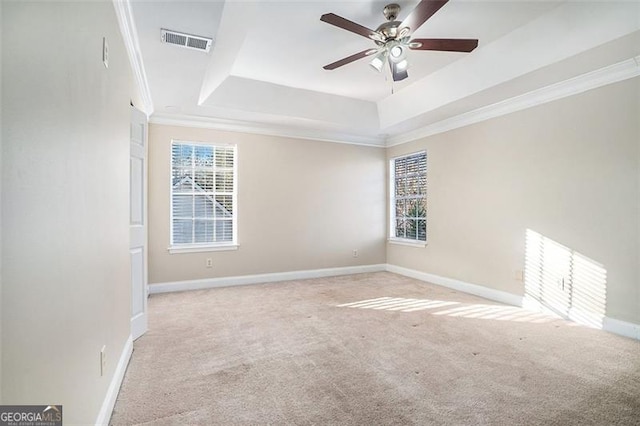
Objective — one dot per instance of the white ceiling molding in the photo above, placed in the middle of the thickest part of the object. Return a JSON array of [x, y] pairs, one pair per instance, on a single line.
[[130, 37], [261, 129], [573, 86], [540, 43], [624, 70], [245, 86]]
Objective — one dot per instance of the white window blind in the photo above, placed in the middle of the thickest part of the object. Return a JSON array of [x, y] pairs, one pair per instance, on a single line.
[[409, 197], [203, 194]]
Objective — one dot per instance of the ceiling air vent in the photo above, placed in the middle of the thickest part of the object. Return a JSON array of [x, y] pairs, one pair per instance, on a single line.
[[186, 40]]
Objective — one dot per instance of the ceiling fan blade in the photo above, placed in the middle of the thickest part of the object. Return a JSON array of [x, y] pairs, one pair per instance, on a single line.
[[345, 24], [423, 11], [349, 59], [397, 73], [444, 44]]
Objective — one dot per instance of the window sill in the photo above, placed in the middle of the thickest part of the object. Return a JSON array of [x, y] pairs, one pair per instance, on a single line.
[[200, 248], [410, 243]]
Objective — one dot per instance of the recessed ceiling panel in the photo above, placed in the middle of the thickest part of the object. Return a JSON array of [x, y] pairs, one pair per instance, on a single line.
[[288, 44]]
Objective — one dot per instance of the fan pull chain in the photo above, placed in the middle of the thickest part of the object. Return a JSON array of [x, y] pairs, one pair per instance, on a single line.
[[386, 78]]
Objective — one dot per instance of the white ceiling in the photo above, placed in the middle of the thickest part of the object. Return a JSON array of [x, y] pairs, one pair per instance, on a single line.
[[265, 65]]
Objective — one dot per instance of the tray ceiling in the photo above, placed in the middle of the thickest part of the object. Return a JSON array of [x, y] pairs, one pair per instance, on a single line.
[[265, 65]]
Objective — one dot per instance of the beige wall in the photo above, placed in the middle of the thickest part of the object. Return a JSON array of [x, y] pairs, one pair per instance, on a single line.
[[569, 170], [65, 166], [301, 205]]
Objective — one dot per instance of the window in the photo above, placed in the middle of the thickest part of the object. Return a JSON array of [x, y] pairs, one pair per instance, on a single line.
[[409, 198], [203, 196]]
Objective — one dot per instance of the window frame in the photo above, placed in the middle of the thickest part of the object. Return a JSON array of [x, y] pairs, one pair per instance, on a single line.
[[392, 203], [207, 246]]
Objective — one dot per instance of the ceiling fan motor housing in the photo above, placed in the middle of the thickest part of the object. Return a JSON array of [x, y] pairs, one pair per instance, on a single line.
[[388, 30]]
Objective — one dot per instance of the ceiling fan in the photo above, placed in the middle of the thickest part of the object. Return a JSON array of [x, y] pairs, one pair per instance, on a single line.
[[393, 38]]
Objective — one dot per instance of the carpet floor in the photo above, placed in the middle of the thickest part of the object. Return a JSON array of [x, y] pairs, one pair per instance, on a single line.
[[371, 349]]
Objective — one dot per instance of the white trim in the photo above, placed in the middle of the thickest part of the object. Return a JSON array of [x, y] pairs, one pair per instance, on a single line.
[[532, 304], [265, 129], [410, 243], [104, 416], [139, 323], [622, 328], [573, 86], [201, 249], [478, 290], [130, 37], [168, 287], [612, 325]]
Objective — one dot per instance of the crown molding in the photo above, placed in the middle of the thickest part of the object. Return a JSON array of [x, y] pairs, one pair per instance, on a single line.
[[130, 37], [620, 71], [263, 129]]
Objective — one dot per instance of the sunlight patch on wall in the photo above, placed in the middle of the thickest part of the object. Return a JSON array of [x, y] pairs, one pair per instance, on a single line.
[[452, 309], [564, 280]]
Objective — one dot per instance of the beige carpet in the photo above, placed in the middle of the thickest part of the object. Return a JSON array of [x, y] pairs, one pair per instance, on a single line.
[[398, 351]]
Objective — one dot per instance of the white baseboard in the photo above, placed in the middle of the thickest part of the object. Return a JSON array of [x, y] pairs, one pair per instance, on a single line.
[[104, 416], [478, 290], [623, 328], [168, 287], [612, 325]]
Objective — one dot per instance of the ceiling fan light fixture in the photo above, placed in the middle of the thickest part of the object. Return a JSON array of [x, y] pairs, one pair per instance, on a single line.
[[397, 73], [378, 61], [402, 65], [396, 52]]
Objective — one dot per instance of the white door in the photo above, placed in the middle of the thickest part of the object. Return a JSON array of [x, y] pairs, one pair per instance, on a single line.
[[138, 222]]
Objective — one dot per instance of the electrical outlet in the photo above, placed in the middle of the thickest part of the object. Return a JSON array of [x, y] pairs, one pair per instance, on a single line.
[[105, 52], [355, 253], [103, 360], [209, 262], [561, 283]]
